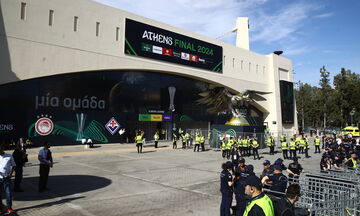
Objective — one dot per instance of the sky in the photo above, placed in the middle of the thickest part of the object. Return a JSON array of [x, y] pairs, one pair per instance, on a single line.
[[311, 33]]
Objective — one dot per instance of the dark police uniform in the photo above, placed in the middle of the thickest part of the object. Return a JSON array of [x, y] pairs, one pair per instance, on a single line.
[[296, 168], [279, 183], [226, 192], [240, 175]]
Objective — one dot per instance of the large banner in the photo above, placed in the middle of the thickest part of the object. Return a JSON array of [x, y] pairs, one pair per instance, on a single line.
[[287, 102], [156, 43]]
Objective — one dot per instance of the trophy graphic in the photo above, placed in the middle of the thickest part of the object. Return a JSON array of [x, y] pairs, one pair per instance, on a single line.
[[81, 117], [172, 91]]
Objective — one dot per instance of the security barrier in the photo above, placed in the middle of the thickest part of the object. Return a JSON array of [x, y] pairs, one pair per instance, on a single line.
[[329, 193]]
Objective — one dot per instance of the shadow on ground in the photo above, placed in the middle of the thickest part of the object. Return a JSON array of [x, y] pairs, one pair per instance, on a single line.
[[60, 186]]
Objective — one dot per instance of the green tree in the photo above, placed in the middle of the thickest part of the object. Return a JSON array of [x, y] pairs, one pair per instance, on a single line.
[[347, 94], [325, 92]]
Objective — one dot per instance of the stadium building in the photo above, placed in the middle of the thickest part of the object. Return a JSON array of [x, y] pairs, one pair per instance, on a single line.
[[73, 69]]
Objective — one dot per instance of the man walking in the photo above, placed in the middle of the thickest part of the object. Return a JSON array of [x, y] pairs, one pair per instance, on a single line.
[[46, 162], [7, 167]]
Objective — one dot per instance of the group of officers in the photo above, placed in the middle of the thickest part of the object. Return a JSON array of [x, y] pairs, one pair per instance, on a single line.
[[242, 146], [186, 139], [239, 179], [247, 146]]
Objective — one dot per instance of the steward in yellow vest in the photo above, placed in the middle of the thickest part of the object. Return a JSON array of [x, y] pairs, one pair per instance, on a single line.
[[255, 147], [139, 142], [260, 203], [197, 142], [292, 146], [271, 145], [352, 162], [317, 142], [284, 148]]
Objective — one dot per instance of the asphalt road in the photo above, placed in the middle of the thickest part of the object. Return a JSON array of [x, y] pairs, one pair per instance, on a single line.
[[112, 179]]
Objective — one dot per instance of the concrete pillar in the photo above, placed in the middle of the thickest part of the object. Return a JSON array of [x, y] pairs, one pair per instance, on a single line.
[[242, 33]]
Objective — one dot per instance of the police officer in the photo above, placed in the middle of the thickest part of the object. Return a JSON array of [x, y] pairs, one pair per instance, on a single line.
[[235, 158], [223, 147], [197, 142], [139, 142], [292, 146], [183, 141], [317, 144], [241, 173], [270, 144], [306, 147], [277, 180], [294, 169], [174, 138], [255, 147], [301, 145], [352, 161], [259, 204], [284, 148], [229, 145], [156, 138], [202, 142], [267, 169], [240, 146], [226, 189]]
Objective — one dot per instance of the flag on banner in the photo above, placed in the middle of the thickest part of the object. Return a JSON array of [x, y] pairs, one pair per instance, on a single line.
[[194, 58], [167, 52], [185, 56]]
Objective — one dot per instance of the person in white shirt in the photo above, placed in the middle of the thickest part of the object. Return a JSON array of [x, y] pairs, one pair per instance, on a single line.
[[46, 162], [90, 143], [7, 167]]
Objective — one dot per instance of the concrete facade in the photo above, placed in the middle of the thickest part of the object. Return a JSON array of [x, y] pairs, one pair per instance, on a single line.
[[38, 39]]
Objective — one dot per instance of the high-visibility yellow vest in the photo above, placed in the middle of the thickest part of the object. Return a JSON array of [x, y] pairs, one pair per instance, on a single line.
[[255, 144], [245, 143], [139, 139], [292, 145], [282, 138], [223, 145], [202, 139], [317, 142], [302, 143], [197, 140], [156, 137], [240, 143], [264, 203], [270, 142], [229, 144], [354, 163], [284, 146]]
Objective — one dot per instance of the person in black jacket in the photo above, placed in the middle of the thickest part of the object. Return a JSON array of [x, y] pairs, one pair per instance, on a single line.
[[19, 158], [226, 189], [285, 206]]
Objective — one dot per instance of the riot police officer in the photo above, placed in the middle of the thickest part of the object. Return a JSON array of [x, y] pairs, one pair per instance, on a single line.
[[226, 189]]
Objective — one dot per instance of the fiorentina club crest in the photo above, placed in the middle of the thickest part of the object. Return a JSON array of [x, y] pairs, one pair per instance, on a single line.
[[44, 126], [112, 126]]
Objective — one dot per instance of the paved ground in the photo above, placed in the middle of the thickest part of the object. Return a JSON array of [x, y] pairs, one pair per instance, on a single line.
[[112, 179]]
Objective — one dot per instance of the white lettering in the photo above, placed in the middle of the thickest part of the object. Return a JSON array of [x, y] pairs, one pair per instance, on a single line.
[[157, 37]]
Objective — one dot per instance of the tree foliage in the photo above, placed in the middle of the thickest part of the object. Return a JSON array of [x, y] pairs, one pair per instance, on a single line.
[[329, 105]]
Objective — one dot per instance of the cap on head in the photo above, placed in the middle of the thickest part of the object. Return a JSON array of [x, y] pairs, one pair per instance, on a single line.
[[229, 164], [266, 162], [249, 168], [253, 181], [277, 167], [295, 159], [242, 160]]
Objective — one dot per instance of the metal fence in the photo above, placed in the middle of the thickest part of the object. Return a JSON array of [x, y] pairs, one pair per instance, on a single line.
[[329, 193]]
